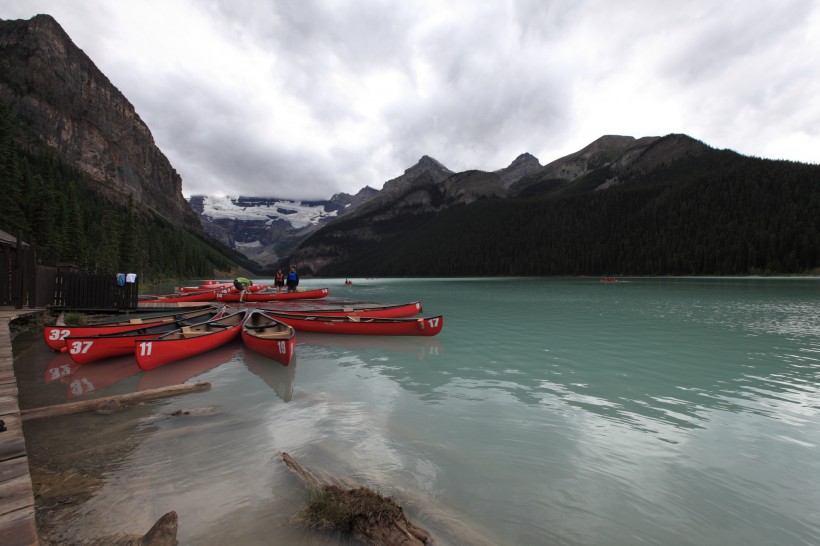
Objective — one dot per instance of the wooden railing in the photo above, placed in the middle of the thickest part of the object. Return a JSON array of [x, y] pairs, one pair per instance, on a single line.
[[90, 291], [25, 283]]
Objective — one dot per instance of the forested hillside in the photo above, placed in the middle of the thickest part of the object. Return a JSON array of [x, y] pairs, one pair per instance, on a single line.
[[60, 213], [716, 214]]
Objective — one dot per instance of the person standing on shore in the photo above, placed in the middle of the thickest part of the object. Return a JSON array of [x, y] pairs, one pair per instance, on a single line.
[[293, 279], [279, 281]]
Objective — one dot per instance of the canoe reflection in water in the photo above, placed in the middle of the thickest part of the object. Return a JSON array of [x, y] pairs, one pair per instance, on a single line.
[[85, 380], [277, 376], [60, 366], [92, 379], [424, 347]]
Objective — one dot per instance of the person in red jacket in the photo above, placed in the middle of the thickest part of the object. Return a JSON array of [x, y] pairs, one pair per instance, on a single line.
[[279, 281]]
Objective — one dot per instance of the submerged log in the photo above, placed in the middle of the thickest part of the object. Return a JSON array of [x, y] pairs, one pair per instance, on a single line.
[[355, 511], [163, 533], [109, 403]]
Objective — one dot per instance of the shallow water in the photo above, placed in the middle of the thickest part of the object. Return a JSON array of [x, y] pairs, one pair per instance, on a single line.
[[548, 411]]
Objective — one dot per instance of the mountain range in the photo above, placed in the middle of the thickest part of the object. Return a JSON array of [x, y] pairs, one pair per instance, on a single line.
[[268, 230], [656, 205]]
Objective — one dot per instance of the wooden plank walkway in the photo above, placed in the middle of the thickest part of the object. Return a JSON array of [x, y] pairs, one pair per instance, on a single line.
[[17, 523]]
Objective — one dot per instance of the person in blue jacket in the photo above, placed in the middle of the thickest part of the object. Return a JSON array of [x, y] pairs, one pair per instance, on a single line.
[[293, 280]]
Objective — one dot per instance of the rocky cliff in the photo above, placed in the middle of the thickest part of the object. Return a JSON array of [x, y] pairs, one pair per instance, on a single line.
[[599, 153], [48, 82], [523, 165]]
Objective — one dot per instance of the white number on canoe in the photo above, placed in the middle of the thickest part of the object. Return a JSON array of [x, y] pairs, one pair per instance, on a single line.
[[282, 347], [80, 347], [57, 334], [433, 322], [145, 348]]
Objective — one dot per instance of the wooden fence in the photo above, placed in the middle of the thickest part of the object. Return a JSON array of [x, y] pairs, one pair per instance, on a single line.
[[25, 283], [92, 292]]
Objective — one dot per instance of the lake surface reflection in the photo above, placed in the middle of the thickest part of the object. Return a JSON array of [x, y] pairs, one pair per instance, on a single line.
[[548, 411]]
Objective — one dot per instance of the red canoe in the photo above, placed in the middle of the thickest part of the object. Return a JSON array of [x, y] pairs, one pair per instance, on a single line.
[[87, 349], [205, 295], [188, 368], [188, 341], [222, 287], [190, 289], [362, 325], [273, 296], [269, 337], [207, 285], [380, 311], [55, 335], [252, 288]]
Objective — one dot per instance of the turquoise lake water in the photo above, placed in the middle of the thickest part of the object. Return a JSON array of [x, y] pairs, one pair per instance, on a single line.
[[679, 411]]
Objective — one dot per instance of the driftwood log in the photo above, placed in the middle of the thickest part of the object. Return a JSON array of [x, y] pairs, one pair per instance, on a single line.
[[356, 511], [163, 533], [109, 402]]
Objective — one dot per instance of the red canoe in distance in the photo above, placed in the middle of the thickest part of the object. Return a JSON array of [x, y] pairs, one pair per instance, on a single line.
[[208, 285], [222, 287], [55, 335], [429, 326], [252, 288], [233, 297], [205, 295], [267, 336], [188, 341], [188, 368], [88, 349], [213, 283], [377, 311]]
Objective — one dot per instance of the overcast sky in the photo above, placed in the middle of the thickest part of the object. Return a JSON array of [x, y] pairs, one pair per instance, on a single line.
[[307, 98]]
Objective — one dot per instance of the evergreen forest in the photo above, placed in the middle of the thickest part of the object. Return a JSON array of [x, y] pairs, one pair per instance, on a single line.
[[56, 209], [716, 214]]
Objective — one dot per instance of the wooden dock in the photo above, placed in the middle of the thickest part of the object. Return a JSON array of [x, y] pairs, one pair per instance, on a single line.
[[17, 523]]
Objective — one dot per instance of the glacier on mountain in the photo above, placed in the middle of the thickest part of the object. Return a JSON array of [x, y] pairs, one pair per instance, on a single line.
[[298, 213]]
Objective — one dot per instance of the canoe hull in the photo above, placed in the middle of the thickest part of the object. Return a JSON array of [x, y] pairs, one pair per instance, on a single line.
[[55, 335], [233, 297], [382, 311], [429, 326], [88, 349], [85, 350], [269, 337], [177, 345], [207, 295]]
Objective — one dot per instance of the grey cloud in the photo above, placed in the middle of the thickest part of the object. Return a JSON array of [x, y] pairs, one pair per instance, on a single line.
[[719, 37], [480, 82]]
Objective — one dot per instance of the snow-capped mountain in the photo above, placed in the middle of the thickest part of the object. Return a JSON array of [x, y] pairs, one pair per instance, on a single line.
[[299, 214], [266, 229]]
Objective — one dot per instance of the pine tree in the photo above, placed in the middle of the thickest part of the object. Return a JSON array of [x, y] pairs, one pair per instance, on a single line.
[[128, 239]]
